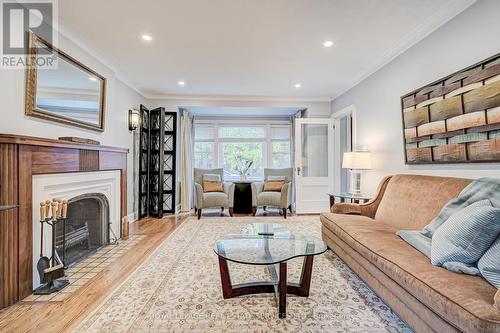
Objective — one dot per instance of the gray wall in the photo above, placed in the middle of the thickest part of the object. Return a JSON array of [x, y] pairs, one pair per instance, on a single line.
[[468, 38]]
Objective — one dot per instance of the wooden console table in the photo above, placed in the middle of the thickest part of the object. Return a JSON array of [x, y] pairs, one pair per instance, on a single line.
[[21, 157]]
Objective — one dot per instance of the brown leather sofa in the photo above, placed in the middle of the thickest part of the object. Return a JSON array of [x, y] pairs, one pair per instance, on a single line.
[[428, 298]]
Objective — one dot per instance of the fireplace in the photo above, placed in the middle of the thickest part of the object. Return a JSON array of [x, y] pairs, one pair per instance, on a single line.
[[93, 214], [86, 229]]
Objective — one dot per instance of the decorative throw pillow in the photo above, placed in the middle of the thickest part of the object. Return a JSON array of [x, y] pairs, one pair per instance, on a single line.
[[274, 178], [209, 177], [465, 236], [273, 186], [489, 265], [212, 187], [212, 183], [417, 240]]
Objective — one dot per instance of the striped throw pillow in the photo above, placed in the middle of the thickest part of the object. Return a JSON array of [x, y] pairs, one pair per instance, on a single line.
[[466, 235], [489, 265]]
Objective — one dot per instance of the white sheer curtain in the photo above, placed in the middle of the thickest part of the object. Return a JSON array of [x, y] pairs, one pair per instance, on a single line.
[[187, 160]]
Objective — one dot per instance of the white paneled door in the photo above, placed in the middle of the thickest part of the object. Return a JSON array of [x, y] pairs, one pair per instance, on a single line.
[[314, 148]]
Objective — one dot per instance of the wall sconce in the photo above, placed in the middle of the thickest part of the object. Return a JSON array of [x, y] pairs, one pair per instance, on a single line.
[[133, 119]]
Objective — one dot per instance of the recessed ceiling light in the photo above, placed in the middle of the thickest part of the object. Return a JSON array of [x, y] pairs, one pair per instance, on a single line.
[[181, 83], [92, 79], [327, 43], [297, 85], [147, 37]]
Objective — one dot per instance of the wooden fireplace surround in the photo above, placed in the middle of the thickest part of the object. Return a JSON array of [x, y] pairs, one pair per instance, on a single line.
[[21, 157]]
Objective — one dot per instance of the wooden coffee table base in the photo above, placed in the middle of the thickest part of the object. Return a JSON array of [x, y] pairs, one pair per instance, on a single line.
[[280, 289]]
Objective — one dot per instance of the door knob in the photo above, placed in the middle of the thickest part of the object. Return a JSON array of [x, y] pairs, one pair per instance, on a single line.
[[298, 171]]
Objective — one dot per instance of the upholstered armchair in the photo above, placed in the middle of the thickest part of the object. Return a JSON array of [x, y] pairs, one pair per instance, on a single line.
[[280, 199], [212, 199]]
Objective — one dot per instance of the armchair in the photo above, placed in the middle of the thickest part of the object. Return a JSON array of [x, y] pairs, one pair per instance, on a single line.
[[281, 200], [212, 199]]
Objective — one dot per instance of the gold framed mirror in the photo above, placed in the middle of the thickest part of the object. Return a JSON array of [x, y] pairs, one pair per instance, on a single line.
[[67, 92]]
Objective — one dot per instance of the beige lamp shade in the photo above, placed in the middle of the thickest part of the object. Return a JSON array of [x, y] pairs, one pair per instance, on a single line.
[[357, 160]]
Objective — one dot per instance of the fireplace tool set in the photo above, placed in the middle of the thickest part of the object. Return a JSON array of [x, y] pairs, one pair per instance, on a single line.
[[51, 269]]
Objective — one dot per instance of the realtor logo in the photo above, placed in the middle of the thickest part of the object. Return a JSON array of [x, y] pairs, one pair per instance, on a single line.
[[18, 18]]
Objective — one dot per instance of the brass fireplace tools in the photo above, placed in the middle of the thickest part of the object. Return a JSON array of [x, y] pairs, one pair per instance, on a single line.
[[51, 269]]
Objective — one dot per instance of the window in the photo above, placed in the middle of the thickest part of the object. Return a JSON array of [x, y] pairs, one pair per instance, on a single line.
[[204, 147], [240, 149]]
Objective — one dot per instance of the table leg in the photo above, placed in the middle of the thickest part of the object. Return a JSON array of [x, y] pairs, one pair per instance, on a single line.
[[282, 289], [332, 201], [230, 291], [302, 288], [225, 278]]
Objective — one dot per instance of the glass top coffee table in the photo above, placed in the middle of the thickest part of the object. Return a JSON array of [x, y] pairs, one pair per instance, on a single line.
[[270, 245]]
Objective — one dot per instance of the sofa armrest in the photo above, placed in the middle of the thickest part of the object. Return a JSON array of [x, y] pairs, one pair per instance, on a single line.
[[346, 208], [497, 299], [199, 195], [229, 190], [257, 187], [285, 195], [369, 208]]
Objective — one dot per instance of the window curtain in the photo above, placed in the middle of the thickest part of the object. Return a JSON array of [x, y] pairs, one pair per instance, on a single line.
[[187, 159]]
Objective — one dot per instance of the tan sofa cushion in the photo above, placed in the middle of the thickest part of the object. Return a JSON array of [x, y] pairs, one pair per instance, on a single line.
[[464, 301], [410, 202]]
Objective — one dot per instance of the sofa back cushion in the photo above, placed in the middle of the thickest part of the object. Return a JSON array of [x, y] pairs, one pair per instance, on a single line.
[[410, 202]]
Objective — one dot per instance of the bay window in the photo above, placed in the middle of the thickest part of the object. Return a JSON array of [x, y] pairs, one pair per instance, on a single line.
[[242, 147]]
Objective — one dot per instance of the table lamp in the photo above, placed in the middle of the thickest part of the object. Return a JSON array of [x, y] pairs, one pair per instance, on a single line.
[[356, 161]]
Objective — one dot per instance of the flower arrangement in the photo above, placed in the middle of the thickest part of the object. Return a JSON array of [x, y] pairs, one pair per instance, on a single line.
[[243, 167]]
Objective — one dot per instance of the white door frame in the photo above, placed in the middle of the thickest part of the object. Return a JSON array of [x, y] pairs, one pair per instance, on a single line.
[[325, 184], [336, 116]]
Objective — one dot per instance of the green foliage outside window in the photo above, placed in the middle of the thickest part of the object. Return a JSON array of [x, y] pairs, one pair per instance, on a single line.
[[237, 156]]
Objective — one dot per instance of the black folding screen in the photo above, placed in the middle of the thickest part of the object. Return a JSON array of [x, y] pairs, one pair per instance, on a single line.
[[157, 162]]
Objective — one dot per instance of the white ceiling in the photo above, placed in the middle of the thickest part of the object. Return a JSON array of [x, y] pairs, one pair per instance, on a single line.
[[250, 47]]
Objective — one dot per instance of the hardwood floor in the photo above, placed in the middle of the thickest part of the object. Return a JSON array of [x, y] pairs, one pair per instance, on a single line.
[[65, 315]]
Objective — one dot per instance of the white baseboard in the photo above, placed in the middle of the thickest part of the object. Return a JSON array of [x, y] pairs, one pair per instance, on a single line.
[[132, 217]]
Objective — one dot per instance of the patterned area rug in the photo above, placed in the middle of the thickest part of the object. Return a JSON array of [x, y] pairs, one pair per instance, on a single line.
[[178, 289]]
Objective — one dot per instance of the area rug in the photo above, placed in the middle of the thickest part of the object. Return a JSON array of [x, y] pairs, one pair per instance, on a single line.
[[177, 289]]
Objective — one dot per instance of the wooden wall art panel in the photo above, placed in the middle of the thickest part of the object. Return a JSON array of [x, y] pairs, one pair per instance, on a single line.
[[455, 119]]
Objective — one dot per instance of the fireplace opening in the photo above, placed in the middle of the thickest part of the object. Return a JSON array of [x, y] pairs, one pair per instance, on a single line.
[[86, 229]]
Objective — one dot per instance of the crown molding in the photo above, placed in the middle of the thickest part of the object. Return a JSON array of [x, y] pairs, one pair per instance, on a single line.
[[431, 24], [424, 29], [67, 33], [235, 98]]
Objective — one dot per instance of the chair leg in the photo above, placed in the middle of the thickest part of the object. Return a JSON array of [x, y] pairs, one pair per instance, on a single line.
[[254, 211], [231, 211], [284, 213], [199, 213]]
